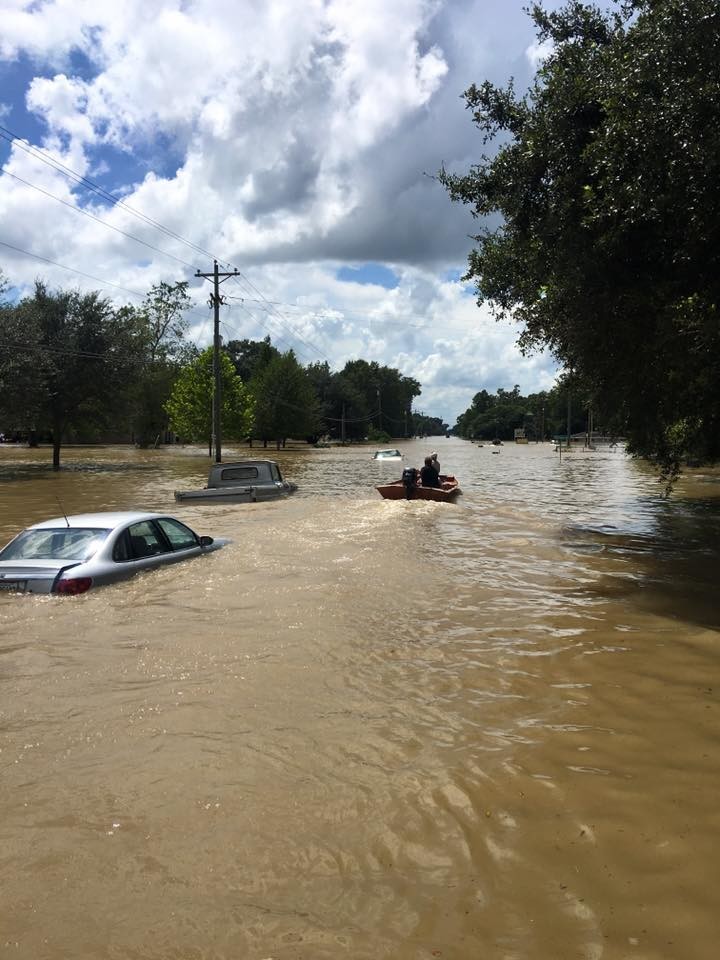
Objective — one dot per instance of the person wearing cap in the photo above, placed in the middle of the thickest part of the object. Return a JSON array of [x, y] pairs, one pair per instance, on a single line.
[[435, 461], [429, 477]]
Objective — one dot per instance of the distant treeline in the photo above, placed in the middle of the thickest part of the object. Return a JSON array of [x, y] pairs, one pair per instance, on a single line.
[[541, 415], [73, 367]]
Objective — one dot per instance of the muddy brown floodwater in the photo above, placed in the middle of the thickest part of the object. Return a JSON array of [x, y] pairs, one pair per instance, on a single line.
[[370, 729]]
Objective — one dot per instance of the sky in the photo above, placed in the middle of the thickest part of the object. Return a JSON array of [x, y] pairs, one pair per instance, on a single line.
[[293, 140]]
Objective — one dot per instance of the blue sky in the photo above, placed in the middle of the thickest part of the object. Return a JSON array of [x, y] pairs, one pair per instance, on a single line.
[[370, 273], [290, 139]]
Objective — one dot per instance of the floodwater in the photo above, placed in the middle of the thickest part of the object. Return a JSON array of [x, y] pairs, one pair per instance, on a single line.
[[370, 729]]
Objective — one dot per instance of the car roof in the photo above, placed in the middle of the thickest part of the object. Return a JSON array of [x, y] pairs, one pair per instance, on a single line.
[[242, 463], [106, 520]]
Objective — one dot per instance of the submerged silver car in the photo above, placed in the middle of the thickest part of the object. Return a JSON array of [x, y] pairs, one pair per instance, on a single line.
[[70, 555]]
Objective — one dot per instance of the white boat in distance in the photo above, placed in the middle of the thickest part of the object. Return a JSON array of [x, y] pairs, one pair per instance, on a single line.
[[387, 455], [243, 481]]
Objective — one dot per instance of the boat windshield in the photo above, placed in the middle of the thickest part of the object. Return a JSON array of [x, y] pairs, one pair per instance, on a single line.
[[62, 543]]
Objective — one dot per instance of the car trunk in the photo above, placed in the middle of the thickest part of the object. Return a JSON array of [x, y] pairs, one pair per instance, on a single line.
[[31, 576]]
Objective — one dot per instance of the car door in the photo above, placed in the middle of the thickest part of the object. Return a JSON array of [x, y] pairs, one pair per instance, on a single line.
[[183, 542], [147, 544], [141, 546]]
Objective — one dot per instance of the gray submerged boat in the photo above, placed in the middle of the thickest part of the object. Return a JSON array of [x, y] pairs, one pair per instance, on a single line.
[[244, 481]]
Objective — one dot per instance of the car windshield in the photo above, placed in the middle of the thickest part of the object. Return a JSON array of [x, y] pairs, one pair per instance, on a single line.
[[63, 543]]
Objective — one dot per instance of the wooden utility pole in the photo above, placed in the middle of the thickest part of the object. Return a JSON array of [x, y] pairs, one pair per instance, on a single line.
[[569, 414], [215, 301]]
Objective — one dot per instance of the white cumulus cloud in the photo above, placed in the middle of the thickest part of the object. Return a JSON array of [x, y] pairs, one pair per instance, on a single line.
[[289, 138]]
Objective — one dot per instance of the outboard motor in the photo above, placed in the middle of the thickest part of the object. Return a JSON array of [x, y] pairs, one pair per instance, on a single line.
[[409, 479]]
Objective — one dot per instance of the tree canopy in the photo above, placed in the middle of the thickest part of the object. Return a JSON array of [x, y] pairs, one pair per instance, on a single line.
[[605, 179], [542, 415], [68, 361], [191, 400], [249, 356], [161, 328], [285, 402], [377, 400]]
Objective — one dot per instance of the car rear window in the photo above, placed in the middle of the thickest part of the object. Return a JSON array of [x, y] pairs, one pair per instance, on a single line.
[[62, 543], [239, 473]]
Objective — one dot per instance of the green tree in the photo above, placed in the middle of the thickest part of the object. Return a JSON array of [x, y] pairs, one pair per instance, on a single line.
[[386, 396], [469, 423], [321, 380], [497, 416], [424, 425], [285, 401], [191, 399], [162, 327], [18, 376], [249, 356], [539, 414], [346, 410], [70, 363], [608, 246]]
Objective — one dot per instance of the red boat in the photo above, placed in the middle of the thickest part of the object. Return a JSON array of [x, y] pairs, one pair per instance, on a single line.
[[405, 490]]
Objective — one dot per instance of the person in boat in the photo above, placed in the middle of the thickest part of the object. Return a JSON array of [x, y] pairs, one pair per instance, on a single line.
[[435, 461], [429, 476]]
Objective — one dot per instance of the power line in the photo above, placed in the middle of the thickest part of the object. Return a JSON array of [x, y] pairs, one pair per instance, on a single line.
[[84, 182], [274, 333], [282, 320], [104, 223], [62, 266], [322, 313], [89, 276], [88, 184], [232, 330], [47, 348], [109, 283]]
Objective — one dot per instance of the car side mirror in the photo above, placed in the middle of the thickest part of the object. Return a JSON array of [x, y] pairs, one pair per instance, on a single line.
[[206, 541]]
